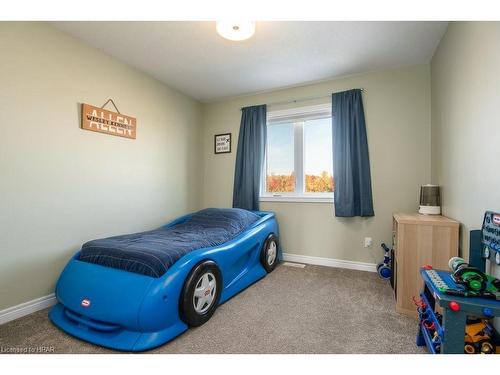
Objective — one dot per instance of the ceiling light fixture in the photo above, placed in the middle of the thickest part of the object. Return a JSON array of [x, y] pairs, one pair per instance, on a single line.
[[235, 30]]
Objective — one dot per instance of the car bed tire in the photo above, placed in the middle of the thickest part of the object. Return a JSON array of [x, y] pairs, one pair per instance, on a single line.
[[264, 253], [188, 311]]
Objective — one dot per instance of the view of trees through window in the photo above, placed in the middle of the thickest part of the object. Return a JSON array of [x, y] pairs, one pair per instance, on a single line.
[[281, 183], [316, 158], [322, 183]]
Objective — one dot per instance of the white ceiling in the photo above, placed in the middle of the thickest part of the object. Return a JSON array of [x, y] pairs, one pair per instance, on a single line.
[[192, 58]]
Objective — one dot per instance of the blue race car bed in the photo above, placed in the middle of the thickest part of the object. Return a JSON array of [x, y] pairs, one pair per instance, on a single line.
[[138, 291]]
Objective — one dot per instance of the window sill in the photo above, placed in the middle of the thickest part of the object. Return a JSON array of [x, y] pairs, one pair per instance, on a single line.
[[296, 199]]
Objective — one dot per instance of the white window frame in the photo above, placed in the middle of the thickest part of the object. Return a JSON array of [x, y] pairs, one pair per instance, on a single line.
[[297, 116]]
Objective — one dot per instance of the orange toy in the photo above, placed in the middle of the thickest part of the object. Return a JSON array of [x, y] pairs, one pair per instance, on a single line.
[[478, 338]]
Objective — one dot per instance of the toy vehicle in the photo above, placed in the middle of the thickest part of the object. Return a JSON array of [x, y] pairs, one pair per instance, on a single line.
[[137, 308], [478, 338], [384, 269]]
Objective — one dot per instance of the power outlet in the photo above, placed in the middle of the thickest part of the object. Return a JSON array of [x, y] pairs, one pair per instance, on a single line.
[[368, 242]]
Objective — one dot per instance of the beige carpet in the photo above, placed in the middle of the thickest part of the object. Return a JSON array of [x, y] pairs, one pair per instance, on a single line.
[[292, 310]]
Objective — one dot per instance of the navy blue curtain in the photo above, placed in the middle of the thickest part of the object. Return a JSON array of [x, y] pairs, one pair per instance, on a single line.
[[250, 157], [351, 162]]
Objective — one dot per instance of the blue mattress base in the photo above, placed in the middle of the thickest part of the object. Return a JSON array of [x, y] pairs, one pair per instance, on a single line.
[[128, 311]]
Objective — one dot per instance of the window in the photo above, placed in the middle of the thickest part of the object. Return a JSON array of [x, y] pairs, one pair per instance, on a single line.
[[298, 165], [280, 168]]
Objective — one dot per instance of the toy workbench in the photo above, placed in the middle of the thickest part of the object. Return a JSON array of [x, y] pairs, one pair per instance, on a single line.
[[443, 332]]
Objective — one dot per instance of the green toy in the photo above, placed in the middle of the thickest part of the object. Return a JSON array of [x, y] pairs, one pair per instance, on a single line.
[[476, 283]]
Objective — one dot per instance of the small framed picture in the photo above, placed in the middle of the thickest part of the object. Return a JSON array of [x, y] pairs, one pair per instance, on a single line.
[[222, 143]]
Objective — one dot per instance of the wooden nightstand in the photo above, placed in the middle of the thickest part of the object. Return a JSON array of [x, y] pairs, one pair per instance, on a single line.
[[419, 240]]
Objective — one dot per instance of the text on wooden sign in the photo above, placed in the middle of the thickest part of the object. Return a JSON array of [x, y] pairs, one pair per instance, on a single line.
[[107, 122]]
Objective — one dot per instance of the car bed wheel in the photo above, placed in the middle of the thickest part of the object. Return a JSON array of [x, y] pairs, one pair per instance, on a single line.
[[269, 253], [201, 293]]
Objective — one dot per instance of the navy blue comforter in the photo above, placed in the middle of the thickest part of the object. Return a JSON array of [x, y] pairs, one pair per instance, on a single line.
[[152, 253]]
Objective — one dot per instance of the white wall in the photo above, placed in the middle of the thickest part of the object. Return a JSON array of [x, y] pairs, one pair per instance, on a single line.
[[466, 123], [60, 185], [397, 109]]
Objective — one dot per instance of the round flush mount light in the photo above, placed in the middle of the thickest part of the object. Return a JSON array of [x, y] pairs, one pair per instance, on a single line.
[[236, 30]]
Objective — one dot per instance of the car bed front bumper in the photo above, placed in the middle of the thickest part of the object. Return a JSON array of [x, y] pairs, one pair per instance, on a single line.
[[108, 335]]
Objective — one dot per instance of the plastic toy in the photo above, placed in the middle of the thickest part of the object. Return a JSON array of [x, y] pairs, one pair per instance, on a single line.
[[449, 321], [478, 337], [490, 236], [475, 282], [134, 312], [384, 269]]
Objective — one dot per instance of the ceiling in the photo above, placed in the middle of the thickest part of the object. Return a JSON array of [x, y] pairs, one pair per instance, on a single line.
[[192, 58]]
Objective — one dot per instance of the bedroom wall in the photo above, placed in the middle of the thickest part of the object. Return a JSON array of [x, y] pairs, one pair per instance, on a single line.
[[466, 123], [397, 108], [60, 185]]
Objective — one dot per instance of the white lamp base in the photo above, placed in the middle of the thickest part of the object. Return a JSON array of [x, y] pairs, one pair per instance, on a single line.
[[430, 210]]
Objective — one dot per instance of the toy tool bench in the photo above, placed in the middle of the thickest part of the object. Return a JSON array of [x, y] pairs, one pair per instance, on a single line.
[[445, 332], [455, 308]]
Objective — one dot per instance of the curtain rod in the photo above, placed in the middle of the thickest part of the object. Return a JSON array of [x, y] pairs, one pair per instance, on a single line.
[[307, 98]]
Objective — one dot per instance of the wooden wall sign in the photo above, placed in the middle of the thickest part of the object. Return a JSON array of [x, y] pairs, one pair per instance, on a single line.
[[108, 122]]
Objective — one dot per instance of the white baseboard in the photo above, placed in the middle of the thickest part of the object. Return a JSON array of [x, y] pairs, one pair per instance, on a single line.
[[26, 308], [329, 262]]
